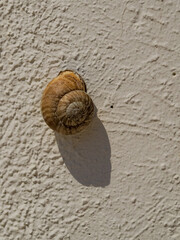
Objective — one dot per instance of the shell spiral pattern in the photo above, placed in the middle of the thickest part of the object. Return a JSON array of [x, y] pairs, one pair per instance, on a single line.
[[65, 105]]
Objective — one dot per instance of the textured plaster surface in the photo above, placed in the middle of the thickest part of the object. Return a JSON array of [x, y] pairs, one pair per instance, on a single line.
[[120, 179]]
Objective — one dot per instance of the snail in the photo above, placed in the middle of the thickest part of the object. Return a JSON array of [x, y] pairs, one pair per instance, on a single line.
[[65, 105]]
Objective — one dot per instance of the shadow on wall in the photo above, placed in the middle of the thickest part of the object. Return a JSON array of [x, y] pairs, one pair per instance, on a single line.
[[87, 155]]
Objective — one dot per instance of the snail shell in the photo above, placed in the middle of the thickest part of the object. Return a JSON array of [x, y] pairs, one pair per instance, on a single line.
[[65, 105]]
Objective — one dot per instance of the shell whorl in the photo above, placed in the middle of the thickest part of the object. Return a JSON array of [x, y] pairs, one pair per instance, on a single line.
[[65, 105]]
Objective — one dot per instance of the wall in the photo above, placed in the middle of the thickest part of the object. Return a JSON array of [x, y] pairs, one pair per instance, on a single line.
[[120, 178]]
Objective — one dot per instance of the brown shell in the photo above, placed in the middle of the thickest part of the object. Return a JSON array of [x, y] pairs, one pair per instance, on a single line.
[[65, 105]]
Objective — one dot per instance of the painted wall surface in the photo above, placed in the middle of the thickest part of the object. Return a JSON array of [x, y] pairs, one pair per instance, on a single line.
[[120, 179]]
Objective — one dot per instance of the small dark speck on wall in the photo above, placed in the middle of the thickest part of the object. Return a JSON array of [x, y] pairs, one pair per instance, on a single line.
[[111, 106]]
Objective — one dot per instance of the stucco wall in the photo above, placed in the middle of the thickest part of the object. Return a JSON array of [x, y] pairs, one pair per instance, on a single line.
[[120, 178]]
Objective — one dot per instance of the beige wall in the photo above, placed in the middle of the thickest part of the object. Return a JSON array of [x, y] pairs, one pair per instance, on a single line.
[[120, 178]]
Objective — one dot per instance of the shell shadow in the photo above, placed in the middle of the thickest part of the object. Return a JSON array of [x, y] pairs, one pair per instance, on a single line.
[[87, 154]]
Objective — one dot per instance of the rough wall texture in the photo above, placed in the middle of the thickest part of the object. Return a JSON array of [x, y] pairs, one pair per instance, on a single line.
[[120, 178]]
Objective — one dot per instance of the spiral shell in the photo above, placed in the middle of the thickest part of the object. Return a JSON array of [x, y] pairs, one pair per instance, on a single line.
[[65, 105]]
